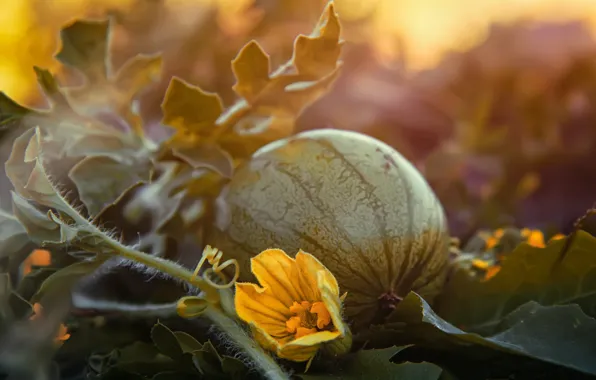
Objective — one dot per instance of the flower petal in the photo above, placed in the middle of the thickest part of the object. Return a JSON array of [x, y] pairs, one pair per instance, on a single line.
[[313, 339], [277, 272], [330, 297], [257, 306], [298, 353], [265, 340], [310, 267], [304, 348]]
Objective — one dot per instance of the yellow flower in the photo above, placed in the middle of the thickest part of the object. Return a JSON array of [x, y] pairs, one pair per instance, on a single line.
[[298, 308], [533, 237]]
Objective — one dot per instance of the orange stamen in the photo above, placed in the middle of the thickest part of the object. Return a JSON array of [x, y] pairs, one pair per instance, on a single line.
[[323, 316]]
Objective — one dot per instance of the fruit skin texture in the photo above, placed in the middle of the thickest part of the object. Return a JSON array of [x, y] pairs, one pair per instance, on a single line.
[[354, 203]]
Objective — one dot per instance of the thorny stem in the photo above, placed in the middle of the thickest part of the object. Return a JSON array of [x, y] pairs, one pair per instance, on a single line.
[[267, 366], [225, 322]]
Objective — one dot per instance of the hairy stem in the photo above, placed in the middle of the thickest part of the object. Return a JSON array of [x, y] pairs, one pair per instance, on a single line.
[[264, 362], [168, 267]]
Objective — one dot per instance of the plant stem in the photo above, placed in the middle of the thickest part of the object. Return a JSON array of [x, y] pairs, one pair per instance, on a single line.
[[267, 366], [264, 362], [171, 268]]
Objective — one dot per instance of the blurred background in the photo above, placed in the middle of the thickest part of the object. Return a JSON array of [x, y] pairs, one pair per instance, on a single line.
[[493, 100]]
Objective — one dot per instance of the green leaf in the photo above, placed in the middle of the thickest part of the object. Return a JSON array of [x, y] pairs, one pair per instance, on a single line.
[[474, 362], [234, 368], [187, 342], [251, 68], [39, 227], [166, 341], [67, 277], [34, 189], [137, 73], [204, 156], [208, 361], [189, 109], [15, 244], [101, 180], [375, 365], [116, 93], [51, 88], [528, 274], [85, 47], [317, 54], [12, 113], [533, 332], [174, 375]]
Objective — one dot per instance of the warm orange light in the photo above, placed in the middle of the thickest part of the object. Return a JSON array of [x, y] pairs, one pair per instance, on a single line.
[[38, 258], [427, 28]]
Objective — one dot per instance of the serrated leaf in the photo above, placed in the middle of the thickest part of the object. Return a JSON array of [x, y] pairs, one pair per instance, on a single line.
[[251, 69], [165, 341], [101, 180], [67, 277], [528, 274], [317, 54], [375, 365], [189, 109], [85, 47]]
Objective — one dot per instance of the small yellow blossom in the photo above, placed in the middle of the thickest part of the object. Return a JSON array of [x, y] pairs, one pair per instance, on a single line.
[[297, 308], [533, 237], [61, 336], [37, 258], [557, 237]]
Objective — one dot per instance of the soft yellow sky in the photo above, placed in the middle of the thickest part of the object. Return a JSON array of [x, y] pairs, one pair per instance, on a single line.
[[428, 27]]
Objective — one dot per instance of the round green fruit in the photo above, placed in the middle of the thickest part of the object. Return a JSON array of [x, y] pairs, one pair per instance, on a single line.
[[350, 200]]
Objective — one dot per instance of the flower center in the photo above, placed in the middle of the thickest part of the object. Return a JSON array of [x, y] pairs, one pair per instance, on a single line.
[[309, 318]]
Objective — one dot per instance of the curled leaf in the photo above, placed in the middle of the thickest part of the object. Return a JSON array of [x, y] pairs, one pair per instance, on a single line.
[[317, 54]]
